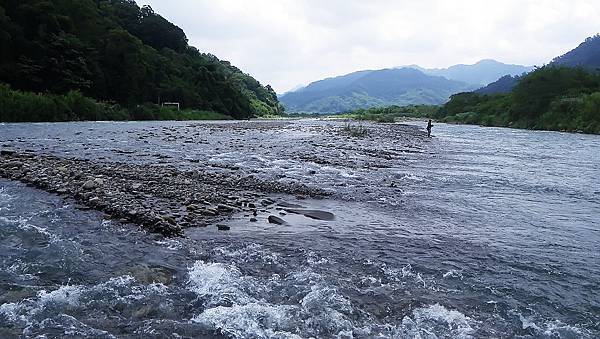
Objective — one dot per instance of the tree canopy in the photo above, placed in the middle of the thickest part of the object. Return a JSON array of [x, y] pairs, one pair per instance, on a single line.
[[115, 51], [551, 97]]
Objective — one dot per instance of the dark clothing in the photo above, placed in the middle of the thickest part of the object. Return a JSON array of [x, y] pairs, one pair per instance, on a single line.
[[429, 125]]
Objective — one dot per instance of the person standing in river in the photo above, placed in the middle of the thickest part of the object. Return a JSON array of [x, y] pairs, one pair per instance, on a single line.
[[429, 125]]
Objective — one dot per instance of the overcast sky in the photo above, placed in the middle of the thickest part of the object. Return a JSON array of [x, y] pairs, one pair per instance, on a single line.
[[286, 43]]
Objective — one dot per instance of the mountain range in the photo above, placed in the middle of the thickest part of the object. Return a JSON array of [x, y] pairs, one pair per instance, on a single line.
[[395, 86], [481, 73]]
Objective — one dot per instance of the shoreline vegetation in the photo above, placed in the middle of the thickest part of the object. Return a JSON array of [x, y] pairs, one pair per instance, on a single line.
[[20, 106]]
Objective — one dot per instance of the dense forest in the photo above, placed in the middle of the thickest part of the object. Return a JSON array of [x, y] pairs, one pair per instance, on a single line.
[[117, 54]]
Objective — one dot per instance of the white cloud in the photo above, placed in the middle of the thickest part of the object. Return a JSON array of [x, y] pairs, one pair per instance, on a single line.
[[290, 42]]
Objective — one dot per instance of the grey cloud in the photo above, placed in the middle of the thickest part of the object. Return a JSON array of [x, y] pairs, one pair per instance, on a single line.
[[290, 42]]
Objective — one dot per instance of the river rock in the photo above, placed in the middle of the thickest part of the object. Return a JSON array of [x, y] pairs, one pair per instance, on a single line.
[[89, 185], [313, 214], [7, 152], [276, 220], [223, 227]]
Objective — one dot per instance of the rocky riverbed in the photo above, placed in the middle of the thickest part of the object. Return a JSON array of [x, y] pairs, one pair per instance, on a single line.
[[361, 230], [160, 199]]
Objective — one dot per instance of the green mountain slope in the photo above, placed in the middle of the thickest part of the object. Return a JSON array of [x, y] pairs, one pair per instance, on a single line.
[[586, 55], [115, 51], [366, 89]]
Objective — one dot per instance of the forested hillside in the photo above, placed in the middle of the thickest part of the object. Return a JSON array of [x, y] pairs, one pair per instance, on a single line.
[[118, 53], [586, 55], [551, 98]]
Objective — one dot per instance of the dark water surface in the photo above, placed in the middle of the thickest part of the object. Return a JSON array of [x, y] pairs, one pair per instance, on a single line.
[[477, 232]]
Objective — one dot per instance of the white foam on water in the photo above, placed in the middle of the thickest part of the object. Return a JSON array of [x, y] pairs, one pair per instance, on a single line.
[[11, 312], [237, 304], [69, 325], [411, 177], [314, 260], [171, 244], [259, 320], [552, 329], [453, 274], [24, 224], [339, 172], [249, 253], [49, 308], [406, 273], [18, 268], [527, 323], [559, 329], [434, 320], [220, 283], [66, 295], [5, 198]]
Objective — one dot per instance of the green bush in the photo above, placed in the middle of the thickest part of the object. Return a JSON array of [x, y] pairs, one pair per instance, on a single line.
[[18, 106]]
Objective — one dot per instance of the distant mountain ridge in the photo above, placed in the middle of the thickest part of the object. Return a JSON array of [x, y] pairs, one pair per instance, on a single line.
[[395, 86], [481, 73], [364, 89]]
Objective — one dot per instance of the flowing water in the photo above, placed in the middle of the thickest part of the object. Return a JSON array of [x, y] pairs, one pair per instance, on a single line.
[[477, 232]]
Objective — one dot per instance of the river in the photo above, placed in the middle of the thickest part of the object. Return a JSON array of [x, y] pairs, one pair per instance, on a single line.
[[476, 232]]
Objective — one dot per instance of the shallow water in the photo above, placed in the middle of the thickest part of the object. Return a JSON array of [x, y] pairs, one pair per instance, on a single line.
[[477, 232]]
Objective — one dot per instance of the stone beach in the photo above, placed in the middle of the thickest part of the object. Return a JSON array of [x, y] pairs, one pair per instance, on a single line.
[[158, 198]]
